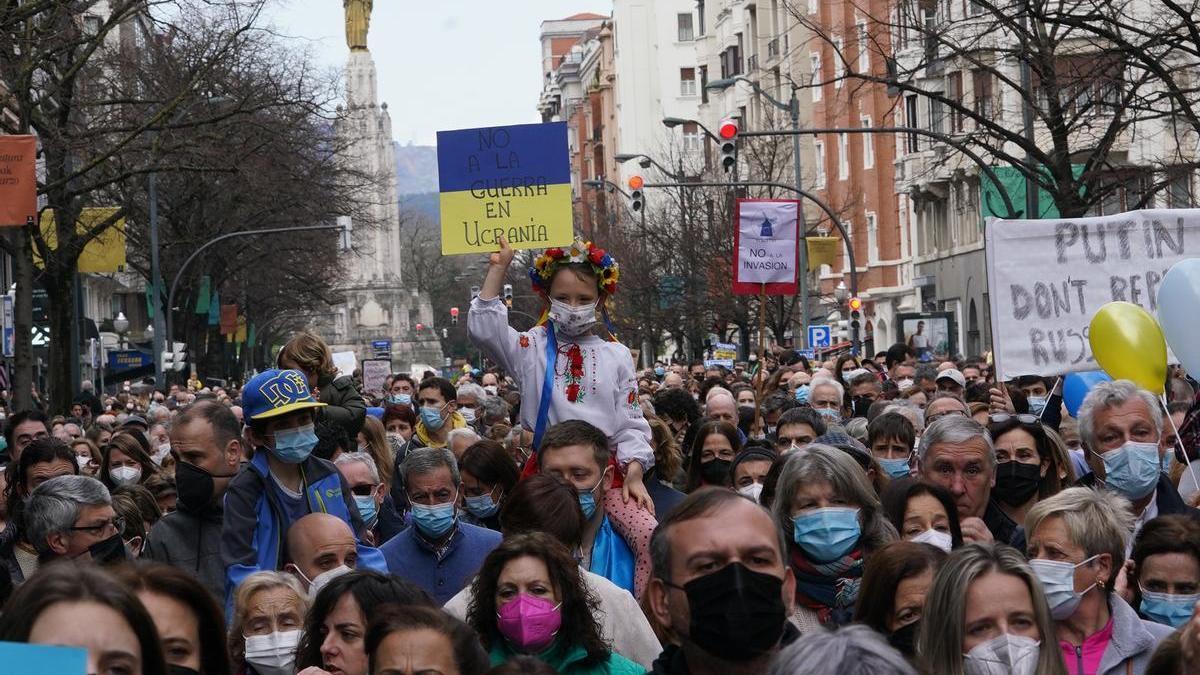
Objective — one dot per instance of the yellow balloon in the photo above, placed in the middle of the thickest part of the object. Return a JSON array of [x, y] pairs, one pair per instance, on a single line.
[[1129, 345]]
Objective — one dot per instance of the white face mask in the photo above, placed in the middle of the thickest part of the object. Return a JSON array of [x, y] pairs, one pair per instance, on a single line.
[[1005, 654], [82, 461], [490, 388], [321, 580], [752, 491], [160, 453], [468, 414], [904, 384], [933, 537], [1058, 583], [572, 321], [273, 653], [124, 475]]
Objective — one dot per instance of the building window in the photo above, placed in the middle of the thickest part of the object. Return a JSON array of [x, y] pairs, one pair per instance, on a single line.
[[1179, 189], [812, 6], [91, 25], [819, 149], [843, 156], [686, 33], [864, 48], [912, 142], [700, 17], [704, 84], [982, 82], [814, 62], [954, 92], [937, 113], [868, 143], [872, 239], [687, 81], [839, 63], [692, 141]]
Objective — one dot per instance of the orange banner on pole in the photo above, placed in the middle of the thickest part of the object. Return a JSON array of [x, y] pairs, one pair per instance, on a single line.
[[18, 180]]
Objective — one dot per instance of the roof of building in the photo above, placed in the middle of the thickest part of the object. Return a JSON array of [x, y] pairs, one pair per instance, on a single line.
[[585, 16]]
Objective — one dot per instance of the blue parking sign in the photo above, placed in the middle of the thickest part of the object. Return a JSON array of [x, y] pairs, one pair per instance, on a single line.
[[819, 336]]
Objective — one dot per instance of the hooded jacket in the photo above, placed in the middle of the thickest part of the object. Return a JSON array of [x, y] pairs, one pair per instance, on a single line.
[[191, 541], [254, 534]]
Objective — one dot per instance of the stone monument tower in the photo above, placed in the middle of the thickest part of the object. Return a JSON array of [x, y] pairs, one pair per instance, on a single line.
[[376, 305]]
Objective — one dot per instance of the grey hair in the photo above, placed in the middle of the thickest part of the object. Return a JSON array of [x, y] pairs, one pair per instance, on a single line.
[[467, 432], [421, 461], [1098, 521], [471, 389], [1110, 395], [955, 429], [856, 428], [852, 650], [915, 415], [820, 463], [54, 506], [940, 642], [494, 406], [827, 382], [364, 457]]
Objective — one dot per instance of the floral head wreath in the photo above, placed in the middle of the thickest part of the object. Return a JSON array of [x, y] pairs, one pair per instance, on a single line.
[[607, 270]]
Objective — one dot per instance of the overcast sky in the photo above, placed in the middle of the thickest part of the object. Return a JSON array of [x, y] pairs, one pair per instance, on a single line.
[[445, 64]]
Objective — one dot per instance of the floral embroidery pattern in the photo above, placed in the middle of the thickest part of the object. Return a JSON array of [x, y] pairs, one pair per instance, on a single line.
[[524, 341], [573, 377]]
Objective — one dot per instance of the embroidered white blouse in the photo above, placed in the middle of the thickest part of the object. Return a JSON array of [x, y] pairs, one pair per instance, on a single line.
[[594, 379]]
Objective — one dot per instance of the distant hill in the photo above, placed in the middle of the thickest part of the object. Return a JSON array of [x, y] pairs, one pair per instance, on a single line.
[[416, 169], [425, 203]]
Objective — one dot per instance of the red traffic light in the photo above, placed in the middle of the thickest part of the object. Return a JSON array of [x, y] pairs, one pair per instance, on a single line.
[[420, 326], [854, 304], [728, 129], [454, 312], [636, 182]]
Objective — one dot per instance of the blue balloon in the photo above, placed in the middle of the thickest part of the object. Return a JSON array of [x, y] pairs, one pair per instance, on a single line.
[[1077, 385]]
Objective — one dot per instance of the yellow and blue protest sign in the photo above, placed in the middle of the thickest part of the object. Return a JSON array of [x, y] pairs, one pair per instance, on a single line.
[[513, 181]]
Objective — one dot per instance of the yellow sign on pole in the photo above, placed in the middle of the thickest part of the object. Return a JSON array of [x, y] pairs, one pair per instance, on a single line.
[[513, 181], [822, 251], [105, 254]]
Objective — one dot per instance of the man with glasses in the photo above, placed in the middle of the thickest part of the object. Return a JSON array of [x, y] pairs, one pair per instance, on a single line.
[[956, 453], [797, 428], [72, 517], [371, 493], [439, 552], [944, 404], [24, 428]]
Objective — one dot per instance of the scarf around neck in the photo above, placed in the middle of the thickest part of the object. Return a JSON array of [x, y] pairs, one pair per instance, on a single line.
[[829, 589]]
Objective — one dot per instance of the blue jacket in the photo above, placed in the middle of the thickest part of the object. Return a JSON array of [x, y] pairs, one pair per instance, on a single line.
[[441, 573], [253, 535]]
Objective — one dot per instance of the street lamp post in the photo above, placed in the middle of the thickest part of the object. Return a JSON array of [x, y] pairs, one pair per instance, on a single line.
[[792, 107]]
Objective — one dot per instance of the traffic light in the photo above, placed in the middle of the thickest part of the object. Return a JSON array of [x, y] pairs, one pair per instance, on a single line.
[[453, 316], [728, 131], [419, 327], [508, 295], [636, 201], [176, 359], [855, 306]]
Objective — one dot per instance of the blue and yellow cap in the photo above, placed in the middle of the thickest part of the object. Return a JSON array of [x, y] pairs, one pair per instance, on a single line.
[[276, 392]]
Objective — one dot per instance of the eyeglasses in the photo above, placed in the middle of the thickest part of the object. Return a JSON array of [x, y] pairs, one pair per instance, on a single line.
[[98, 529], [1024, 418], [364, 490], [938, 416]]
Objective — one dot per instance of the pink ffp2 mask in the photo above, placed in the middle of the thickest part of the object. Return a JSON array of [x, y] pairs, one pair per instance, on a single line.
[[529, 623]]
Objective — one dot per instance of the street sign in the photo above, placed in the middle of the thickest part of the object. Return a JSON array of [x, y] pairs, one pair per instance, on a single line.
[[10, 331], [382, 348], [819, 336], [128, 359]]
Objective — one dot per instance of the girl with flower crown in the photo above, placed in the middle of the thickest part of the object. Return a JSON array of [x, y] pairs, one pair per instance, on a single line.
[[587, 378]]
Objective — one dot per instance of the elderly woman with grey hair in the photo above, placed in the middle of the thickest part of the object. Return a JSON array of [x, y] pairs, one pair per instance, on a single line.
[[1077, 543], [853, 650], [986, 613], [827, 511]]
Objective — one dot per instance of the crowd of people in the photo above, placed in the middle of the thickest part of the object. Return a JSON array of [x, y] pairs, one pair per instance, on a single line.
[[557, 510]]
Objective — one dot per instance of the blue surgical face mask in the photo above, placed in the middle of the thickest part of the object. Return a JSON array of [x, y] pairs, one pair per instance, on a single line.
[[1132, 469], [367, 508], [660, 371], [1167, 609], [802, 393], [896, 468], [482, 506], [434, 521], [830, 414], [400, 399], [587, 500], [293, 446], [827, 534], [1058, 583], [1036, 404], [432, 417]]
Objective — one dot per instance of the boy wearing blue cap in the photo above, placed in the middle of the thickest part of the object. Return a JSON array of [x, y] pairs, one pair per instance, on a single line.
[[282, 483]]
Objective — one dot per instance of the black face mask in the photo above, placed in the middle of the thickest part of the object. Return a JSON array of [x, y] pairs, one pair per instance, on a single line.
[[904, 638], [1016, 482], [195, 486], [737, 614], [861, 404], [111, 551], [715, 471]]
